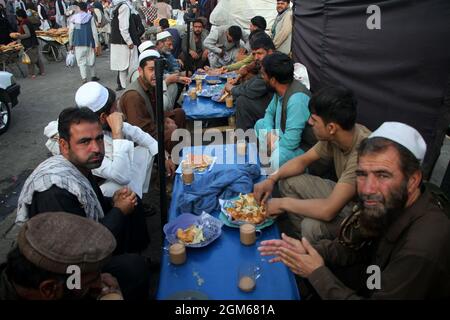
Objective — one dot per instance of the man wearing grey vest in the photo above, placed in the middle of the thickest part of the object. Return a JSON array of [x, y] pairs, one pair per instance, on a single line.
[[138, 103], [83, 37]]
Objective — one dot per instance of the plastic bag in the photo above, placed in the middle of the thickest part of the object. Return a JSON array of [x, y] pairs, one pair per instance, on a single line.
[[26, 59], [301, 74], [70, 59]]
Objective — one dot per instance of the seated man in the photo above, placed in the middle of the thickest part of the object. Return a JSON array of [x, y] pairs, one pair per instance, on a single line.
[[257, 28], [395, 245], [173, 77], [124, 163], [47, 245], [138, 103], [279, 132], [65, 183], [317, 206], [197, 51], [223, 44], [164, 24], [253, 96]]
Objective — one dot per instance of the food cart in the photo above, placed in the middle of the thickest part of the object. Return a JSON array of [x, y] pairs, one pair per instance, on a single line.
[[54, 43], [10, 55]]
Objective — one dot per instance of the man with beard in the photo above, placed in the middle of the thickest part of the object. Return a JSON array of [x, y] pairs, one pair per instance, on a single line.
[[138, 103], [173, 78], [198, 53], [279, 132], [399, 229], [281, 31], [47, 245], [129, 151], [65, 183], [317, 206], [252, 96]]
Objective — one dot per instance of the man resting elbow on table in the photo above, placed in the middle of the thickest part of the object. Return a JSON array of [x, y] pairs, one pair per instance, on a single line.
[[317, 206]]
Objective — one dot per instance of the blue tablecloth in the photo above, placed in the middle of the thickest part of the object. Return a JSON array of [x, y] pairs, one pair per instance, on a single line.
[[205, 108], [213, 270]]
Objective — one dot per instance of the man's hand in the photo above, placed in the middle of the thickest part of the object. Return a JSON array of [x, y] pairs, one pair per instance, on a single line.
[[130, 46], [272, 247], [228, 87], [271, 140], [125, 200], [205, 54], [193, 54], [263, 190], [299, 256], [98, 50], [243, 71], [71, 48], [274, 207], [184, 80], [169, 125], [115, 122], [170, 168], [222, 53]]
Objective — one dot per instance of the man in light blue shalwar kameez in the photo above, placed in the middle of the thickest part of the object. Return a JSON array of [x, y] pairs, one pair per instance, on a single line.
[[280, 131]]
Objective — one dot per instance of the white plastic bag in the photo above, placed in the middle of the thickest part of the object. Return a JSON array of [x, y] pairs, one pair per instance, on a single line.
[[301, 74], [70, 59]]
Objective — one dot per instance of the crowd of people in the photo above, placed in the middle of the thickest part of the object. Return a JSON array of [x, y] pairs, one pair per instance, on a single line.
[[352, 197]]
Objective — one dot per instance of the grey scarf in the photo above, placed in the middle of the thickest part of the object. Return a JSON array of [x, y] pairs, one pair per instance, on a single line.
[[60, 172]]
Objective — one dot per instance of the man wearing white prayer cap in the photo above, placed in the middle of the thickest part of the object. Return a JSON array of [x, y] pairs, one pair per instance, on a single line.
[[399, 229], [172, 72], [145, 45], [129, 151], [138, 103]]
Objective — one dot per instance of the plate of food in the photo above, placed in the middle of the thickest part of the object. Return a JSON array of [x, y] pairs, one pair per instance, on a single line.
[[192, 230], [210, 91], [244, 209], [213, 81], [199, 162], [228, 75]]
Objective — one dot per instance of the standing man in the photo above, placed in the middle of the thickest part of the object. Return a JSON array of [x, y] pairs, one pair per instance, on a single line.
[[60, 13], [83, 37], [42, 9], [197, 51], [282, 27], [317, 206], [124, 41], [399, 229], [19, 4]]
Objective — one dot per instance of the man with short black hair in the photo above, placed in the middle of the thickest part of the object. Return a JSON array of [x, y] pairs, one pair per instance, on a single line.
[[317, 206], [65, 183], [138, 103], [223, 44], [197, 51], [253, 96], [396, 243], [280, 131]]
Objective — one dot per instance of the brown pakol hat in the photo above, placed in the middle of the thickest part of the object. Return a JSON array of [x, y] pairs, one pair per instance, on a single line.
[[55, 240]]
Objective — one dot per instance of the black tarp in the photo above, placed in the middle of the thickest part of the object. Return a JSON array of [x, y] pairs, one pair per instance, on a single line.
[[399, 73]]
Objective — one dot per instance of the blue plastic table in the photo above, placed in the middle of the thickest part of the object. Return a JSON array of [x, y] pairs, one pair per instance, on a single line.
[[205, 108], [213, 270]]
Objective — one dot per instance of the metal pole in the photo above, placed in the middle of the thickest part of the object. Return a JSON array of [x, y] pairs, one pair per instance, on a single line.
[[159, 71], [188, 56]]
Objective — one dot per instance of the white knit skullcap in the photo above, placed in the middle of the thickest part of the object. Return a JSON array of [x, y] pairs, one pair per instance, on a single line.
[[404, 135], [92, 95], [149, 53], [145, 45]]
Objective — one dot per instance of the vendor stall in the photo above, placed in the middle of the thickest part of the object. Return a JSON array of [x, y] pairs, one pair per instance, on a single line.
[[10, 54], [54, 43]]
